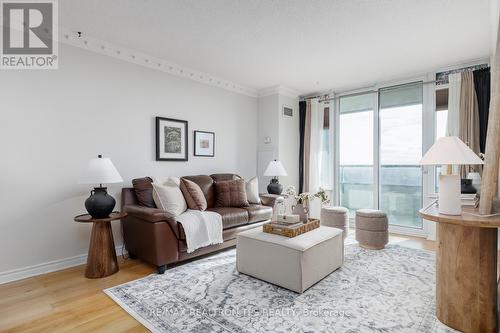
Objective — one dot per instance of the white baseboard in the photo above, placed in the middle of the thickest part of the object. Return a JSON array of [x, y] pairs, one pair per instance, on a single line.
[[47, 267]]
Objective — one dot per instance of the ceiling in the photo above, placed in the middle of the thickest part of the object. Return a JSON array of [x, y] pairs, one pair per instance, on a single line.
[[307, 45]]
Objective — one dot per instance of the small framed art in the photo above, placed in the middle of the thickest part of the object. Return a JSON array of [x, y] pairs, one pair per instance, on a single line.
[[287, 111], [171, 139], [204, 143]]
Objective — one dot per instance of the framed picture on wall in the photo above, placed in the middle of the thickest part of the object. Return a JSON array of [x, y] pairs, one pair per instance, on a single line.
[[171, 139], [287, 111], [204, 143]]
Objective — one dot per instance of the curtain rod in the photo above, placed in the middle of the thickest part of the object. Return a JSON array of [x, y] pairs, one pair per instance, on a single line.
[[326, 97]]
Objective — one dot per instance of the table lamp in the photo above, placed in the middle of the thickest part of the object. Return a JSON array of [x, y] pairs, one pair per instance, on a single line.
[[450, 150], [100, 171], [275, 169]]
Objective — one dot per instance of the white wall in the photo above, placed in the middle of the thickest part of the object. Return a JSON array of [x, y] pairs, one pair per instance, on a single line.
[[283, 133], [494, 17], [268, 127], [53, 122], [289, 141], [268, 123]]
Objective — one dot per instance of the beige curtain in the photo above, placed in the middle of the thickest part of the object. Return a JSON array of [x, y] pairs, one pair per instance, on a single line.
[[316, 145], [307, 146], [468, 130], [453, 120]]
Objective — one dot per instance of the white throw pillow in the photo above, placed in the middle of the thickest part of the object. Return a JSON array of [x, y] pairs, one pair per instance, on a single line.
[[163, 180], [252, 189], [175, 180], [168, 196]]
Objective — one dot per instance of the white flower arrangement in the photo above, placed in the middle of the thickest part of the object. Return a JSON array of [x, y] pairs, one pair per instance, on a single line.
[[306, 197]]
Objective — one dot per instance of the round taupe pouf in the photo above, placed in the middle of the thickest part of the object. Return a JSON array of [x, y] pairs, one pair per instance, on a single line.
[[336, 217], [372, 229]]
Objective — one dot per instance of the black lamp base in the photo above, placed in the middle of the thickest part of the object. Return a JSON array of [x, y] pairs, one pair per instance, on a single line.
[[466, 186], [274, 187], [100, 204]]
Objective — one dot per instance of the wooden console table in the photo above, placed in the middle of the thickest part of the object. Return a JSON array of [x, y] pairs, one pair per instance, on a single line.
[[466, 269], [101, 261]]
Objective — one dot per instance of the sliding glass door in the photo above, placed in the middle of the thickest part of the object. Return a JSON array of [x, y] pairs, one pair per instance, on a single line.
[[379, 146], [356, 151], [400, 124]]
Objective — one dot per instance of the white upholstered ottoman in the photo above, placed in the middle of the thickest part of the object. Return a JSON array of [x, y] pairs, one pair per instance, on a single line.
[[292, 263]]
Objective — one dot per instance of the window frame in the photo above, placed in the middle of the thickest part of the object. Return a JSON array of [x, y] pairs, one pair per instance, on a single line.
[[375, 90]]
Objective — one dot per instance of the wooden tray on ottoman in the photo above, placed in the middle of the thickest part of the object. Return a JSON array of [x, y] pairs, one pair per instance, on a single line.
[[290, 230]]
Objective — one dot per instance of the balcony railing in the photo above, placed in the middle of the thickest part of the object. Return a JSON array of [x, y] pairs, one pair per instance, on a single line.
[[400, 194]]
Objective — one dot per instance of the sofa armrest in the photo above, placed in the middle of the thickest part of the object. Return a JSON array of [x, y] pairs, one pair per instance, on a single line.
[[152, 215], [269, 199], [150, 235], [146, 213]]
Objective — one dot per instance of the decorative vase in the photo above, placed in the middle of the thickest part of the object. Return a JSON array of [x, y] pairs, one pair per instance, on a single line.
[[302, 211], [467, 187], [100, 204], [274, 187]]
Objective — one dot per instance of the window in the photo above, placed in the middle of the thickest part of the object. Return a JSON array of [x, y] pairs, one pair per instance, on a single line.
[[356, 151], [379, 150], [400, 152]]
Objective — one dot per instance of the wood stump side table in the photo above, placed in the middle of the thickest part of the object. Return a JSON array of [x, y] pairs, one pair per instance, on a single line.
[[466, 269], [101, 260]]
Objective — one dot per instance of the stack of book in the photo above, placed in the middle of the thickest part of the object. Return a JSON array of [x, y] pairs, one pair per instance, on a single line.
[[470, 200]]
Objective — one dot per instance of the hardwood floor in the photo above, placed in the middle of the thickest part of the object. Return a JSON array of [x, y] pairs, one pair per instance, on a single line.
[[65, 301]]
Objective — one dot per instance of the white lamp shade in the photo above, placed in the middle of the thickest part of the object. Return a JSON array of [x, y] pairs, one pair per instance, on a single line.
[[274, 169], [450, 150], [100, 171]]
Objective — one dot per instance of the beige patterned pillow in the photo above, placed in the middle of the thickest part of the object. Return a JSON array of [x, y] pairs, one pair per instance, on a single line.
[[252, 189], [168, 197]]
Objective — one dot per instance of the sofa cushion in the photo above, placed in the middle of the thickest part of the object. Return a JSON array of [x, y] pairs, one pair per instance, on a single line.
[[229, 232], [144, 191], [227, 235], [257, 213], [222, 177], [193, 195], [231, 216], [206, 183], [231, 193]]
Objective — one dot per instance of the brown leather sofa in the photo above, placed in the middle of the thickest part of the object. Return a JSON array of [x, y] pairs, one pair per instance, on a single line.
[[151, 236]]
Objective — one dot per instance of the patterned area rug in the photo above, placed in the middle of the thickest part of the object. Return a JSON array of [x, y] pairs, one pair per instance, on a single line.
[[390, 290]]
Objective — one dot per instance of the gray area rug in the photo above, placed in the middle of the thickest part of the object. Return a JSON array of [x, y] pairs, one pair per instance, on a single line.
[[390, 290]]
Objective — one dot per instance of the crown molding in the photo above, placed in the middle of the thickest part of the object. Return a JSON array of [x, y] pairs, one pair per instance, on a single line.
[[279, 90], [142, 59], [290, 92], [268, 91]]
